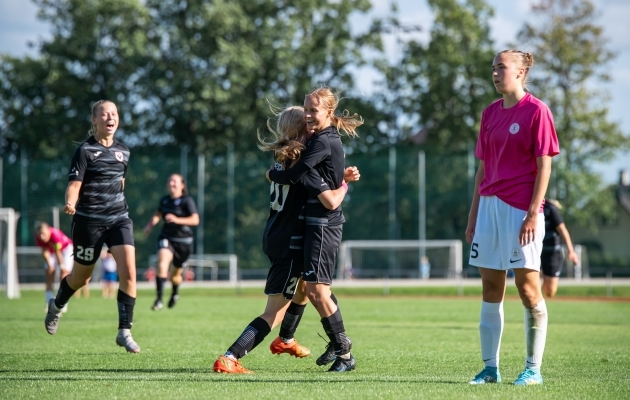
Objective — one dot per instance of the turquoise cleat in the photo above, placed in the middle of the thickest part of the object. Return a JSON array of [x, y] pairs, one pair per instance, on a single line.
[[488, 375], [529, 377]]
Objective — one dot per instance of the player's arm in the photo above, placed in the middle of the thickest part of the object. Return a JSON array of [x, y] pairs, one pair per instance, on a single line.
[[192, 220], [331, 199], [75, 180], [46, 256], [58, 254], [316, 150], [566, 238], [474, 206], [152, 222], [72, 196], [528, 228]]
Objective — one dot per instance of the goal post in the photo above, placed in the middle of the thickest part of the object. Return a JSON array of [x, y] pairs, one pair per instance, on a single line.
[[8, 257], [212, 261], [414, 259]]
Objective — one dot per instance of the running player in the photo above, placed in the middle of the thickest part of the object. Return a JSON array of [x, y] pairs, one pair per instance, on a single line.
[[552, 255], [57, 252], [283, 244], [324, 154], [96, 200], [517, 140], [176, 238]]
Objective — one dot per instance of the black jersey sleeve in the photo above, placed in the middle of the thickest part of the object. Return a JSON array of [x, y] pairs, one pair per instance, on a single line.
[[313, 183], [316, 150], [78, 165], [554, 215], [191, 206]]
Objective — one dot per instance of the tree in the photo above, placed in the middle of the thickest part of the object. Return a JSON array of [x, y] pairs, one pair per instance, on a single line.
[[571, 56]]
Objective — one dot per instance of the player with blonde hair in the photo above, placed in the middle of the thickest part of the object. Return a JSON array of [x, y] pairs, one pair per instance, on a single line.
[[506, 226]]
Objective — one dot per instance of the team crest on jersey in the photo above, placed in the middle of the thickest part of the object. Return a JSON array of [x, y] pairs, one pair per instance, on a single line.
[[119, 156], [178, 202], [515, 252], [514, 128]]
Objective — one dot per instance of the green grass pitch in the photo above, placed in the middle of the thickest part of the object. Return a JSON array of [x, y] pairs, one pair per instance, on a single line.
[[406, 346]]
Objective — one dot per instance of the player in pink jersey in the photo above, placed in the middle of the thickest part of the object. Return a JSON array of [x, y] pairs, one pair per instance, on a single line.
[[506, 226], [57, 252]]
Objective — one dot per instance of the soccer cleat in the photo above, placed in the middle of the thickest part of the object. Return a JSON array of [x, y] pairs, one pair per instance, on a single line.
[[293, 349], [487, 375], [343, 364], [329, 354], [157, 306], [124, 339], [173, 301], [229, 365], [52, 317], [529, 377]]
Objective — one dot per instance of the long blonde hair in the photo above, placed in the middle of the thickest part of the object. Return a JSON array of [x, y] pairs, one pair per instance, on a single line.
[[345, 122], [95, 107], [287, 136]]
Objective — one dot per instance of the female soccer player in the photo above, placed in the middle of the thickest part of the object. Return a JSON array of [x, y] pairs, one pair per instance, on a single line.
[[324, 154], [175, 241], [517, 140], [57, 252], [96, 200], [283, 244]]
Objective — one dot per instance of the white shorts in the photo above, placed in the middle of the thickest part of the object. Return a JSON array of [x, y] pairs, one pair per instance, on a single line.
[[495, 244], [66, 255]]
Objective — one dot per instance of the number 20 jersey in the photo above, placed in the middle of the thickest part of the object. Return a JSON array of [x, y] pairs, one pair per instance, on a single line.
[[283, 236]]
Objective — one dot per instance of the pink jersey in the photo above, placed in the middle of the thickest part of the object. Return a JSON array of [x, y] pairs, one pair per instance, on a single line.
[[509, 142], [58, 241]]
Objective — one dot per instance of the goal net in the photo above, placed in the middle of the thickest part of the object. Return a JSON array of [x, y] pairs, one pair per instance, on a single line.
[[8, 260], [400, 259], [204, 267]]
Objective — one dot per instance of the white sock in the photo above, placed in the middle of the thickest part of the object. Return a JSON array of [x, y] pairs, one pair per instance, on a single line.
[[229, 354], [490, 331], [49, 295], [535, 334], [287, 341]]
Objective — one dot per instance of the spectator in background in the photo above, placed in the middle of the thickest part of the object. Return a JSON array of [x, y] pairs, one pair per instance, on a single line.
[[552, 255], [425, 267], [110, 274]]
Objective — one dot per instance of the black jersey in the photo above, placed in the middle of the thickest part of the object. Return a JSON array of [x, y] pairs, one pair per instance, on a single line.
[[101, 170], [180, 207], [283, 236], [324, 155], [553, 219]]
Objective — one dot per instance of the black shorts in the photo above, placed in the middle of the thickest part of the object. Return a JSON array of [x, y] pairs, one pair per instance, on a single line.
[[551, 263], [181, 251], [88, 238], [283, 276], [321, 244]]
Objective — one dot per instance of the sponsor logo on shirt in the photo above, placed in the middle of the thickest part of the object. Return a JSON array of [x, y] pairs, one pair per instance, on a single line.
[[98, 153], [514, 128]]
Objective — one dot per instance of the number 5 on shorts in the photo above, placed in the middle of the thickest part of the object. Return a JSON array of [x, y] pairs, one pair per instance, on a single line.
[[473, 251]]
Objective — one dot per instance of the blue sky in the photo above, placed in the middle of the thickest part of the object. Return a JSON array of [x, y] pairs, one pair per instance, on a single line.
[[19, 25]]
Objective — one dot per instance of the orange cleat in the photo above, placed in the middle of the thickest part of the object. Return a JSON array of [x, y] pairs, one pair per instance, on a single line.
[[294, 348], [228, 365]]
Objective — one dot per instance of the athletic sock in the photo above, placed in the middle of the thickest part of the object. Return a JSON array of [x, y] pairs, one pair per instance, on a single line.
[[536, 319], [159, 283], [291, 321], [251, 337], [333, 326], [175, 290], [64, 294], [490, 331], [125, 310], [49, 295]]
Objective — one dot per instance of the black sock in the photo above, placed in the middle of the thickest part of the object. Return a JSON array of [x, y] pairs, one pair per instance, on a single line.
[[125, 310], [175, 289], [333, 326], [251, 337], [63, 294], [291, 320], [159, 283]]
